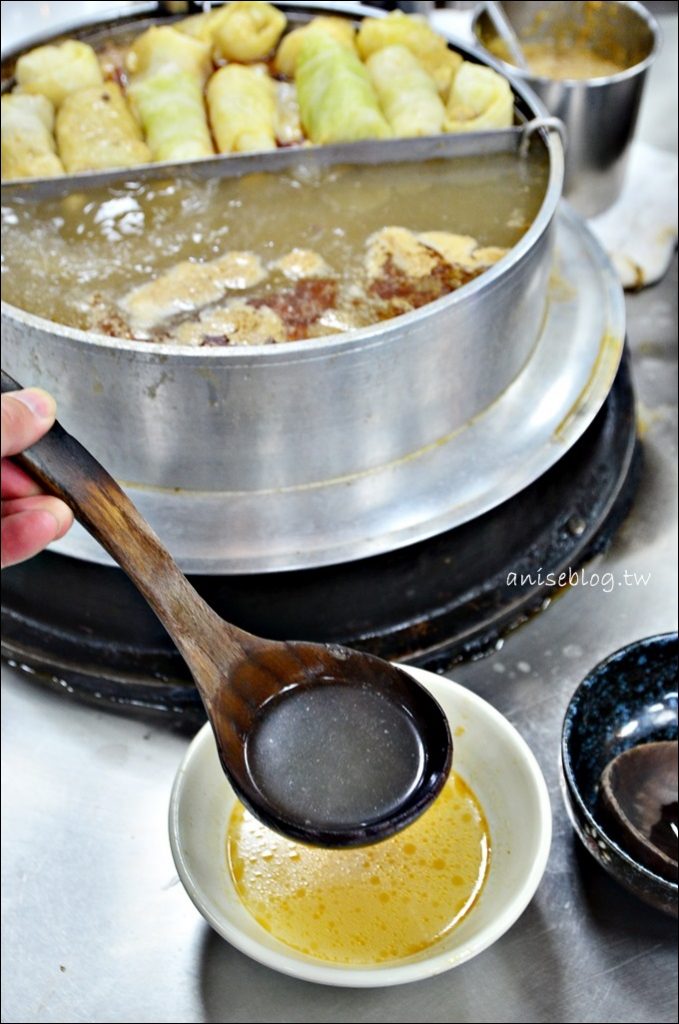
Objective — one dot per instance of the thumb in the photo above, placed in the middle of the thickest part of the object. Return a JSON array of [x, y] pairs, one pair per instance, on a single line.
[[26, 416]]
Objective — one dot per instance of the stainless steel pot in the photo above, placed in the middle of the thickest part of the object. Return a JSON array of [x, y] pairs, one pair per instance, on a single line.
[[305, 417], [600, 114]]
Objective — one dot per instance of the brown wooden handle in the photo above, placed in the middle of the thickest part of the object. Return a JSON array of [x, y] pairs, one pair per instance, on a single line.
[[63, 467]]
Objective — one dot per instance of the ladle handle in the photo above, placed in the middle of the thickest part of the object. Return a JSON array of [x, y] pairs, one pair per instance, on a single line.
[[505, 30], [63, 467]]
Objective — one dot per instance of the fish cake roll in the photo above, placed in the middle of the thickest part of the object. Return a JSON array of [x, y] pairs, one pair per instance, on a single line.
[[199, 26], [247, 31], [95, 130], [242, 105], [407, 94], [28, 146], [479, 100], [57, 71]]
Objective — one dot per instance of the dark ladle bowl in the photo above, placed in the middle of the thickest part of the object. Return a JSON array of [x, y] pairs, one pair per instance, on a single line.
[[638, 798], [627, 700], [324, 744]]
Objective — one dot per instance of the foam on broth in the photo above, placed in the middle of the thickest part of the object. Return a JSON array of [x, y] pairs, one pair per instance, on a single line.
[[368, 905]]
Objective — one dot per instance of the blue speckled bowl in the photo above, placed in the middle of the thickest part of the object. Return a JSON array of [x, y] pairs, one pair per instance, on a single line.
[[629, 698]]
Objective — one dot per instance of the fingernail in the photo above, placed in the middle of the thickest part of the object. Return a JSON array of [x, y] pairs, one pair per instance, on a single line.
[[38, 401], [63, 516], [57, 524]]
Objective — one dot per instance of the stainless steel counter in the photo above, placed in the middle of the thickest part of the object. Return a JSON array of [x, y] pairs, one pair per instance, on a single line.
[[97, 927]]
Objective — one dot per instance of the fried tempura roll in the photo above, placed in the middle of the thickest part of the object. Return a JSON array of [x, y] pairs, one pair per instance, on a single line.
[[247, 31], [479, 99], [337, 102], [57, 71], [399, 29], [242, 105], [95, 130], [168, 72], [190, 286], [238, 323], [244, 32], [199, 26], [28, 147], [407, 94]]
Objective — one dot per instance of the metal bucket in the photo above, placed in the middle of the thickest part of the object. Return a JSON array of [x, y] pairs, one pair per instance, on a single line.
[[600, 114]]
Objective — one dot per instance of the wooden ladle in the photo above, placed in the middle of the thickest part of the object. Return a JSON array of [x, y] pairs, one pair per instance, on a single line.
[[322, 743]]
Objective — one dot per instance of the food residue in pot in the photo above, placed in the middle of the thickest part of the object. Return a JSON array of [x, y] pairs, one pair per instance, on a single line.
[[368, 905]]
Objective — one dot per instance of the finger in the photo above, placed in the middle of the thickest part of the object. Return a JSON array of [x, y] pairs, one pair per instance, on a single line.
[[30, 524], [26, 416], [41, 503], [16, 483]]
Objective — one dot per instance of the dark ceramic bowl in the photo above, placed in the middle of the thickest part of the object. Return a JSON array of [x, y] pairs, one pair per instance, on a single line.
[[628, 699]]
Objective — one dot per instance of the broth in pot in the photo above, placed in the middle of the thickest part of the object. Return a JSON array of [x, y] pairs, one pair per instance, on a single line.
[[267, 258]]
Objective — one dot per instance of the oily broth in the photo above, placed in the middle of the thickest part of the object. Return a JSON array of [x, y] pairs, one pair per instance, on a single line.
[[58, 254], [368, 905]]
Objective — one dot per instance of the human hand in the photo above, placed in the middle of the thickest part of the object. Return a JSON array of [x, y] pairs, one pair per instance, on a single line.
[[30, 519]]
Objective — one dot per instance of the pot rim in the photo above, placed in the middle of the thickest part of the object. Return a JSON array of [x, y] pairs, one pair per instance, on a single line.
[[347, 340]]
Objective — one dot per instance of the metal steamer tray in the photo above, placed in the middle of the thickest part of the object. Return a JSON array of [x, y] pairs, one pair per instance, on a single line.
[[330, 450]]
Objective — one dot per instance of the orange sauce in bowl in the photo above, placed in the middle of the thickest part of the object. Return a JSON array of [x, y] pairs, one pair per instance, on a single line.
[[368, 905]]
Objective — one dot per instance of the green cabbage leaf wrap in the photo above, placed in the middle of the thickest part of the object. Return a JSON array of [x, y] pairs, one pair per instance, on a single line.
[[337, 102]]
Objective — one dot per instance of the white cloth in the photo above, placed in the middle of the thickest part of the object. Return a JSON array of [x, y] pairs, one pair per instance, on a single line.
[[639, 232]]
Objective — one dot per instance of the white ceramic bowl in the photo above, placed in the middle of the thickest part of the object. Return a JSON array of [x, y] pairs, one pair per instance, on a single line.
[[489, 754]]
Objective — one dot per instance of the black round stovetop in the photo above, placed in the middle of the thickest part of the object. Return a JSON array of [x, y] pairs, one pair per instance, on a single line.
[[84, 627]]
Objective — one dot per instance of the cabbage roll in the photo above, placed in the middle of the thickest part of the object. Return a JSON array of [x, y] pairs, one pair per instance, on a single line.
[[57, 71], [95, 130], [247, 31], [166, 92], [28, 147], [399, 29], [407, 94], [479, 99], [341, 29], [337, 102], [242, 105]]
